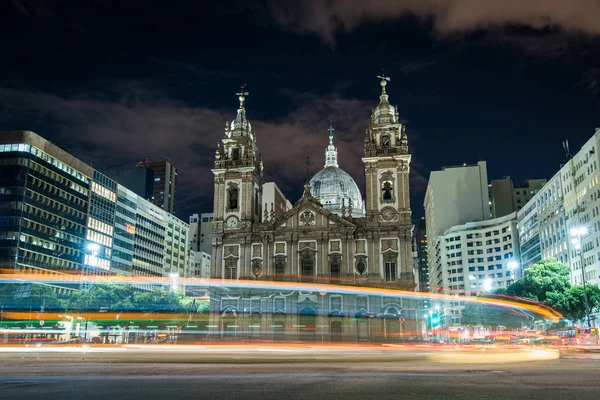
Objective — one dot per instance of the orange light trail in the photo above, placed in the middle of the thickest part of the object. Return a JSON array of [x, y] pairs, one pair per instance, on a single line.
[[544, 311]]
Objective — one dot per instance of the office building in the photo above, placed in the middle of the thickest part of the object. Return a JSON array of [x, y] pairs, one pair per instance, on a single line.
[[581, 197], [454, 196], [421, 247], [506, 198], [473, 258], [44, 201], [101, 222], [124, 231], [200, 233], [176, 240], [136, 178], [199, 265], [542, 226], [164, 190], [571, 199], [60, 216], [275, 203]]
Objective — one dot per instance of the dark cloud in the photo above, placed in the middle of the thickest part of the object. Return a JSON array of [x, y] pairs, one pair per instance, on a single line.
[[135, 127], [143, 123], [326, 18]]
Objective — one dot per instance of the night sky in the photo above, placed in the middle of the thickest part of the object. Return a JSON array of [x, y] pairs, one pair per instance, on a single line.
[[116, 82]]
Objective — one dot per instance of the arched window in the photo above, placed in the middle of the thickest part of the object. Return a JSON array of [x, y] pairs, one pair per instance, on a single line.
[[235, 154], [307, 268], [335, 269], [387, 191], [279, 271], [233, 198]]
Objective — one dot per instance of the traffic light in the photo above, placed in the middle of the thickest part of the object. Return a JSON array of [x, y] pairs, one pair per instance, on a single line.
[[435, 320]]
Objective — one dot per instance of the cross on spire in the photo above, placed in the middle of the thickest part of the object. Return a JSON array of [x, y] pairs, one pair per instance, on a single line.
[[242, 95], [308, 162], [331, 129]]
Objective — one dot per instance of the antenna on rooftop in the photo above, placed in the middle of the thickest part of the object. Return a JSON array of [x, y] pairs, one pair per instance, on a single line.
[[568, 154]]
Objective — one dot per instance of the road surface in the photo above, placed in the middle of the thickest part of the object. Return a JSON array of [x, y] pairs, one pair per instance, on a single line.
[[575, 376]]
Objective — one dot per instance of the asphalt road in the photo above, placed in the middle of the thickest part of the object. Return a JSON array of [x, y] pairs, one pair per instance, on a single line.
[[573, 377]]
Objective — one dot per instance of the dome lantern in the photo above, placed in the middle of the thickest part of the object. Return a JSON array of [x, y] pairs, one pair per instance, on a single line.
[[331, 152]]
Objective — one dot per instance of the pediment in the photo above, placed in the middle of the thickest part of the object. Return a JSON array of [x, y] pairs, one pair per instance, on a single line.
[[308, 213]]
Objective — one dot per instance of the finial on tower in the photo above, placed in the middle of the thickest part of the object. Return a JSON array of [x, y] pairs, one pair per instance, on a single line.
[[383, 81], [242, 95], [331, 151], [331, 129]]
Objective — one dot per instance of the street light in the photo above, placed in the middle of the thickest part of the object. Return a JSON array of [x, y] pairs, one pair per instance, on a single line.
[[487, 285], [576, 234], [174, 276], [512, 267]]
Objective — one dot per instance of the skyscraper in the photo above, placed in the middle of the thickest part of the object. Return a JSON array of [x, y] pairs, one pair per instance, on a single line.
[[165, 183], [136, 178]]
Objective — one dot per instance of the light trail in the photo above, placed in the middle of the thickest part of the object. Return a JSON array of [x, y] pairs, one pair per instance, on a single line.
[[226, 284]]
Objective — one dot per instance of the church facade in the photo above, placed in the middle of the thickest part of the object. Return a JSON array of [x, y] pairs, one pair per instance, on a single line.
[[329, 236]]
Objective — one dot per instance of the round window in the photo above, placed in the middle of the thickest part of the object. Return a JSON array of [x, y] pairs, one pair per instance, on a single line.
[[361, 267]]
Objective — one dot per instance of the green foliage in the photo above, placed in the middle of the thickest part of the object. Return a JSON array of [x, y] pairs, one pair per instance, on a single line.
[[36, 296], [548, 282], [571, 303], [109, 297]]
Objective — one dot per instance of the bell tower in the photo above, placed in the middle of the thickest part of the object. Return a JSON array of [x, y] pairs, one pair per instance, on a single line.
[[238, 175], [386, 163]]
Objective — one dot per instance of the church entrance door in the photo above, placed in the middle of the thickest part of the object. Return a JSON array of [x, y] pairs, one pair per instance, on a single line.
[[307, 327], [336, 331]]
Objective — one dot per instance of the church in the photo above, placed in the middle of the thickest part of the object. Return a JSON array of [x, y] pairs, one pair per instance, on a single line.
[[331, 235]]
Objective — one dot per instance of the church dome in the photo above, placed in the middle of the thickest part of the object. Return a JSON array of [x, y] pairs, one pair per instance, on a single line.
[[332, 184], [334, 187]]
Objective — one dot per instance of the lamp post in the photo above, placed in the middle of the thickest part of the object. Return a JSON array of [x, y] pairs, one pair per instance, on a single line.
[[576, 234]]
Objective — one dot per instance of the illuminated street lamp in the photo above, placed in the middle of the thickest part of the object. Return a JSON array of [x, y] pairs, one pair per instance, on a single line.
[[512, 267], [576, 234], [487, 285], [174, 276]]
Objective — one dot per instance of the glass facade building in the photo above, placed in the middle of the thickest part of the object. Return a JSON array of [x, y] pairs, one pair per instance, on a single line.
[[44, 200], [60, 216]]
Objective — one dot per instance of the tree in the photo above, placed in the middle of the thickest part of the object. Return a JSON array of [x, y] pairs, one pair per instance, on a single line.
[[571, 303], [548, 282], [33, 296]]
